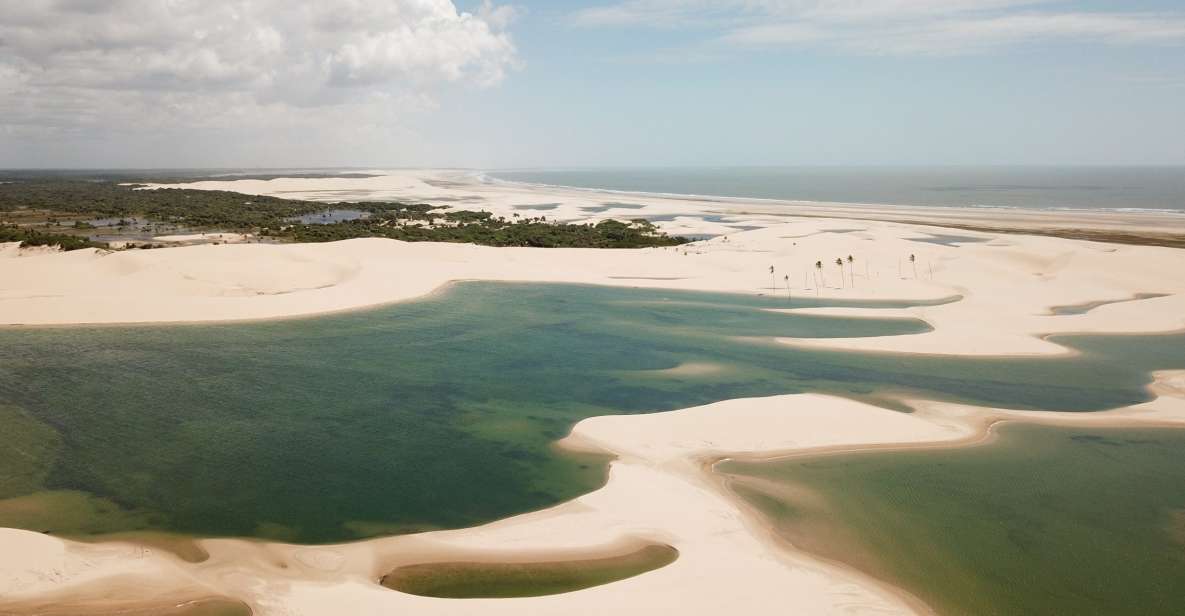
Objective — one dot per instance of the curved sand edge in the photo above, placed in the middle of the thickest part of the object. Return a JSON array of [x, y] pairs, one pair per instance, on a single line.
[[658, 491], [1007, 290]]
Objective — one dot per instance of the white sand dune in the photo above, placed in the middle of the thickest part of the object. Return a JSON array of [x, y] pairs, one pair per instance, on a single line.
[[1007, 290], [203, 238], [467, 190], [659, 489]]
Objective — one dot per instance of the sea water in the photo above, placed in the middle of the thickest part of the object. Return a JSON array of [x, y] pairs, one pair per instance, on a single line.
[[1048, 187]]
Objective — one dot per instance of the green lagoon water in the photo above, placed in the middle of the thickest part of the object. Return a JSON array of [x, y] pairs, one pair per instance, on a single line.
[[1044, 521], [471, 580], [435, 413]]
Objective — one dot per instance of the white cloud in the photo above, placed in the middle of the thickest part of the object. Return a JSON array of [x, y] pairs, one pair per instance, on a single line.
[[72, 65], [890, 26]]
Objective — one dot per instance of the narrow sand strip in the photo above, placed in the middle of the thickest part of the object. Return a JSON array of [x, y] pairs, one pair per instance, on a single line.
[[1007, 289], [682, 213]]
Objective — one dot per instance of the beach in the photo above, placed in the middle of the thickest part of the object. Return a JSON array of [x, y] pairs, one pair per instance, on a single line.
[[982, 291]]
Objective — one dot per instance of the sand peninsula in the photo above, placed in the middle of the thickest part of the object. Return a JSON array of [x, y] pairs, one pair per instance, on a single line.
[[1013, 288]]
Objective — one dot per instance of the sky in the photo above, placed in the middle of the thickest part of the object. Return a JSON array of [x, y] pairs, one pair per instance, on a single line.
[[433, 83]]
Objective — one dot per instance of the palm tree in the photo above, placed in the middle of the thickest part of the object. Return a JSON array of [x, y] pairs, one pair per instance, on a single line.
[[818, 273], [852, 270], [787, 278], [914, 261], [772, 285], [842, 282]]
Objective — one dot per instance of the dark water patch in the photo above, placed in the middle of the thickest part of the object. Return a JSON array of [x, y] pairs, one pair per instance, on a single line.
[[1086, 307], [438, 183], [471, 580], [813, 233], [329, 217], [537, 206], [672, 217], [129, 222], [442, 412], [611, 205], [122, 237], [943, 239], [1044, 521]]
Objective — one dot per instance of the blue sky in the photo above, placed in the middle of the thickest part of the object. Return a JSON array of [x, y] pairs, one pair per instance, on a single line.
[[674, 93], [640, 82]]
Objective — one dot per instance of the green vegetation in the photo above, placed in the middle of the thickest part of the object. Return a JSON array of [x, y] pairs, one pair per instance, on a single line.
[[30, 237], [70, 199], [1046, 520], [469, 580], [482, 228], [61, 204]]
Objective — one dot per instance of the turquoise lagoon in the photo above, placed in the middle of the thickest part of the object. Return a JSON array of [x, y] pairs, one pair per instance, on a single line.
[[441, 412]]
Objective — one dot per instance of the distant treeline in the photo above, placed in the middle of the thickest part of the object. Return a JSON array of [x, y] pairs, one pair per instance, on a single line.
[[195, 208], [491, 231], [29, 237], [166, 176], [54, 201]]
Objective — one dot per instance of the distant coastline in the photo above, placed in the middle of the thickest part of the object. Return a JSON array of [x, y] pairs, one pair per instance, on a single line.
[[1071, 189]]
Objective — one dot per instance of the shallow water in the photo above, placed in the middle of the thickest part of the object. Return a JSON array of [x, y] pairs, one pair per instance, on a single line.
[[1086, 307], [1043, 521], [612, 205], [329, 217], [440, 412], [950, 240], [468, 580]]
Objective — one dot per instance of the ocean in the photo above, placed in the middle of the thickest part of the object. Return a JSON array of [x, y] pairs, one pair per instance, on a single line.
[[1090, 188]]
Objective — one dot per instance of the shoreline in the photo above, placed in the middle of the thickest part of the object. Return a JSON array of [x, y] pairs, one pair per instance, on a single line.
[[480, 175], [658, 470], [238, 283], [985, 432], [446, 185], [858, 563], [946, 215], [694, 471]]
